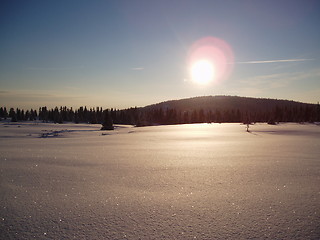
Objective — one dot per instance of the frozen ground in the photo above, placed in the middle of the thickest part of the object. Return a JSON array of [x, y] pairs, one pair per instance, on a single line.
[[202, 181]]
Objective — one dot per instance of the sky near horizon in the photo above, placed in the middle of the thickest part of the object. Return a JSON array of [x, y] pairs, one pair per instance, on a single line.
[[130, 53]]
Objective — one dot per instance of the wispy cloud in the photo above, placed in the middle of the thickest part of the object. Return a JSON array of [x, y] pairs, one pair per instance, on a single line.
[[286, 85], [53, 68], [137, 68], [277, 61], [278, 80]]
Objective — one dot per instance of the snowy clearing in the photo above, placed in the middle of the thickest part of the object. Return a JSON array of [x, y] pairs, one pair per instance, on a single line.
[[201, 181]]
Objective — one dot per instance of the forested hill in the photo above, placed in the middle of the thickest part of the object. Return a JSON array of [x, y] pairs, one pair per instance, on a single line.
[[227, 103], [230, 109]]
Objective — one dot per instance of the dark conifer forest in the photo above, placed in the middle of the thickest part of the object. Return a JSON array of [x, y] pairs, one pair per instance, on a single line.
[[207, 109]]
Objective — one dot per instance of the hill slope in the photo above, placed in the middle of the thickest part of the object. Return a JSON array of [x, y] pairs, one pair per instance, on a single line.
[[226, 103], [228, 109]]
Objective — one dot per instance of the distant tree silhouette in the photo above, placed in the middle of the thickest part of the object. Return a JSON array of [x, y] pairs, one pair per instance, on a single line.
[[246, 119], [194, 116], [19, 114], [218, 117], [12, 115], [201, 116], [3, 113], [76, 117], [57, 116], [107, 123], [318, 113], [44, 114], [210, 117], [93, 116]]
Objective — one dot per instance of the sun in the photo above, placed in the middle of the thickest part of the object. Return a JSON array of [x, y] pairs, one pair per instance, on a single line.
[[202, 72]]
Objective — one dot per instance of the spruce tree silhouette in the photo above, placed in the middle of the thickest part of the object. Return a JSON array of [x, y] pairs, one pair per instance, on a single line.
[[107, 123], [13, 115]]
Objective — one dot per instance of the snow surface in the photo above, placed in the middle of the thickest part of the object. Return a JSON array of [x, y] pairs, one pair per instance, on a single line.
[[201, 181]]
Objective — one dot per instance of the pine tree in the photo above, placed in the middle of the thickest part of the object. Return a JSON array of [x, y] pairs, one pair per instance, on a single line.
[[12, 115], [107, 123], [1, 112], [5, 113]]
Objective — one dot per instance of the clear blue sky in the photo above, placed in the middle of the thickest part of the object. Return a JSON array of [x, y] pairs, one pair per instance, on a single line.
[[134, 53]]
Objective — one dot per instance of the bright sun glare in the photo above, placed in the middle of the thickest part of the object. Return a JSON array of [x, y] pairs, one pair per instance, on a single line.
[[202, 72]]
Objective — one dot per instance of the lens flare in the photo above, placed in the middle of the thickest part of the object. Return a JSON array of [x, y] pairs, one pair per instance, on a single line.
[[202, 72], [210, 59]]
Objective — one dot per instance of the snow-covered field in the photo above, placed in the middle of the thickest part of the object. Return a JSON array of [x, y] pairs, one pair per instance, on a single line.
[[201, 181]]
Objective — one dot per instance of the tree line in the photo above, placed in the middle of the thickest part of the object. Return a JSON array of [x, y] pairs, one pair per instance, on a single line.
[[166, 116], [65, 114], [18, 114]]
